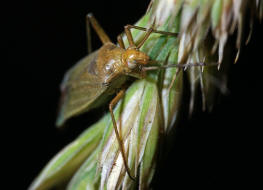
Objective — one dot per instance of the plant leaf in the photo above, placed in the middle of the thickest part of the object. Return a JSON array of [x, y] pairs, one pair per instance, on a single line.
[[68, 160]]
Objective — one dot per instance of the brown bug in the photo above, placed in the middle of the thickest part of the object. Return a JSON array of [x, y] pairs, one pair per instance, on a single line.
[[87, 84]]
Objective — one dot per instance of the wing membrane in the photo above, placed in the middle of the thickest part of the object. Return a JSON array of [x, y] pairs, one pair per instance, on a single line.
[[80, 88]]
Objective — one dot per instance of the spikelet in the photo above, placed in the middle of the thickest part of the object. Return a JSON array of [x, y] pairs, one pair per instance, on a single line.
[[150, 107]]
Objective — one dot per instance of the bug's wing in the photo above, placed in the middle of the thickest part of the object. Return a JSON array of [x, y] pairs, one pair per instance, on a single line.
[[80, 88]]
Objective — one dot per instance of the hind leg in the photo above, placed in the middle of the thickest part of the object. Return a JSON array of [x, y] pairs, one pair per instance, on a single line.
[[91, 20]]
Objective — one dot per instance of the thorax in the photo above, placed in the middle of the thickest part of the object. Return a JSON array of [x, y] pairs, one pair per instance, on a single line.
[[109, 61]]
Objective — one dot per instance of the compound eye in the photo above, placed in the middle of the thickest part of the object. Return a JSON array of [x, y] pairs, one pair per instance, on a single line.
[[132, 64]]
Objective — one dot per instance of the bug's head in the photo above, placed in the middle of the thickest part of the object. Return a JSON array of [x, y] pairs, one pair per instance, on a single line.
[[133, 58]]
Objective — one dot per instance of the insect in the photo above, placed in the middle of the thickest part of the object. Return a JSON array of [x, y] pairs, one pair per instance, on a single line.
[[100, 74]]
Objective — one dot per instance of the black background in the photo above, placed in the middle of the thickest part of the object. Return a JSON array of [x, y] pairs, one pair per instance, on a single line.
[[45, 38]]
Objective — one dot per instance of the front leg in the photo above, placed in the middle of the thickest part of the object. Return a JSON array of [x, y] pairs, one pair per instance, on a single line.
[[139, 75], [108, 79]]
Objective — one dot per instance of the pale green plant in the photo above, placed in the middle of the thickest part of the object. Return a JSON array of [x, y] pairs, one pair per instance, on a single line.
[[150, 107]]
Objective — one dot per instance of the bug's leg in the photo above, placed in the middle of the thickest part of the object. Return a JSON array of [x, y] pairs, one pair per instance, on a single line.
[[127, 31], [96, 26], [119, 139], [148, 30], [88, 35], [120, 41], [138, 75]]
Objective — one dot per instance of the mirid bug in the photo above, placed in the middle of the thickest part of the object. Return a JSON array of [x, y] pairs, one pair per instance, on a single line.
[[100, 74]]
